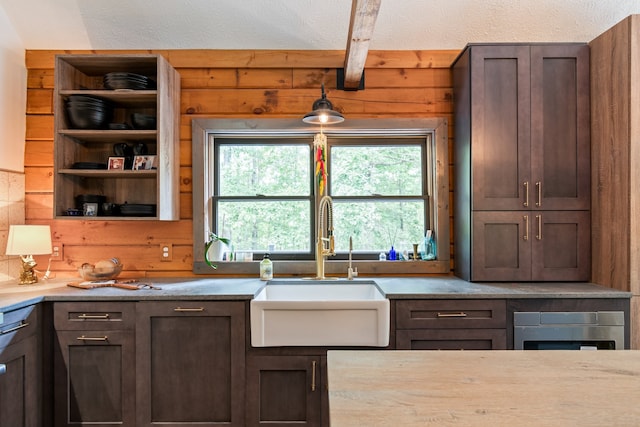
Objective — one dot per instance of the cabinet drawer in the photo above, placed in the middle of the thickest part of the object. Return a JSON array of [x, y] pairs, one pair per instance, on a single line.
[[451, 339], [438, 314], [19, 324], [75, 316]]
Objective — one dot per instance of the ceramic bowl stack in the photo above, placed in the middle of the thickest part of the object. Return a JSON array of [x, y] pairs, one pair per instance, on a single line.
[[88, 112], [143, 121], [134, 209], [127, 81]]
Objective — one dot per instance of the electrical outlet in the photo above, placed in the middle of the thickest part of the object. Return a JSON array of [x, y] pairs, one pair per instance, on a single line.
[[166, 252], [56, 253]]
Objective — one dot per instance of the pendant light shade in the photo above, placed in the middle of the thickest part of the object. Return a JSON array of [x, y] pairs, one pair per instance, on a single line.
[[323, 112]]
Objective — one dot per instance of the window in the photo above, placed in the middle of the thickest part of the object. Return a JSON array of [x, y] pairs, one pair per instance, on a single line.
[[263, 197], [380, 193], [259, 188]]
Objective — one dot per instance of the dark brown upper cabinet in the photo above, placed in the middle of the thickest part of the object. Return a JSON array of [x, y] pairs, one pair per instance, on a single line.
[[522, 147]]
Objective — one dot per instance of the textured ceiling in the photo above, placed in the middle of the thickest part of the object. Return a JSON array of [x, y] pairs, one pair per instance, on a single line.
[[304, 24]]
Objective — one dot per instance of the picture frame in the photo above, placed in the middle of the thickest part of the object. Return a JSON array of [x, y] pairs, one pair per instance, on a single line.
[[116, 163], [90, 209], [145, 162]]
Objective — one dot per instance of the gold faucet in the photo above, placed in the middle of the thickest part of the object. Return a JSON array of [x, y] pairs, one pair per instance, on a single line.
[[322, 250]]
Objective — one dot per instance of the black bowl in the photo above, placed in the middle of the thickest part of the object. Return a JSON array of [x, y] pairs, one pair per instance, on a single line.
[[86, 98], [129, 81], [88, 118], [143, 121], [86, 104]]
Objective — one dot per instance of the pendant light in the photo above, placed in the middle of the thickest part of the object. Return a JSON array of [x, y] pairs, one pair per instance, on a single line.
[[323, 112]]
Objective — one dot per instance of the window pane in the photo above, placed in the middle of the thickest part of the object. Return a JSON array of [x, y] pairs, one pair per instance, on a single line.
[[254, 225], [375, 226], [384, 169], [270, 170]]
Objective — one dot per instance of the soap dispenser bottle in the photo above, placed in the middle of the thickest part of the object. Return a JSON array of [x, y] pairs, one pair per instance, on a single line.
[[266, 268]]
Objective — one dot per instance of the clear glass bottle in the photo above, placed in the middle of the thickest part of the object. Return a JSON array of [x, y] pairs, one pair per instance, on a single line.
[[429, 252], [266, 268]]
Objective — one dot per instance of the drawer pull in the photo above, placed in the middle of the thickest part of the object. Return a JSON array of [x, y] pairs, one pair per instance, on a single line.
[[458, 314], [83, 338], [93, 316], [22, 324], [188, 310]]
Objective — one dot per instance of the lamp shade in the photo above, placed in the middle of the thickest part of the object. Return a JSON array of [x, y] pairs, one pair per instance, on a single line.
[[29, 240], [323, 112]]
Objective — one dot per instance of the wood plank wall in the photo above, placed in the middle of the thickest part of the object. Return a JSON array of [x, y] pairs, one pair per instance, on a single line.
[[221, 84]]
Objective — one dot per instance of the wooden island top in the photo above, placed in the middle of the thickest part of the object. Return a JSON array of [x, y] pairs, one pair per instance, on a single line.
[[484, 388]]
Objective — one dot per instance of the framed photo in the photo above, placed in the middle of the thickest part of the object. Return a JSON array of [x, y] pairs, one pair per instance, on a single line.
[[144, 162], [116, 163], [90, 209]]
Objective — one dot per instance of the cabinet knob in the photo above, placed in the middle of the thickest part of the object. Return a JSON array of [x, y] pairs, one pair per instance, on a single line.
[[3, 368]]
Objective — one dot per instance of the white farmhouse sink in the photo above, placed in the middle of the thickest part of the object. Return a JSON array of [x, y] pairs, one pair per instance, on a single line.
[[320, 313]]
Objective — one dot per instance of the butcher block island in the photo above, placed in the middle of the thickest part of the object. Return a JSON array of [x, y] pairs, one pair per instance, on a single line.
[[484, 388]]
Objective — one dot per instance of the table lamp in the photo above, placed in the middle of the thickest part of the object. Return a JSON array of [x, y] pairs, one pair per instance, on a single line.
[[26, 241]]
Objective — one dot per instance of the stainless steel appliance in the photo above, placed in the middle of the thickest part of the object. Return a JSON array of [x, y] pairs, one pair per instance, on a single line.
[[591, 330]]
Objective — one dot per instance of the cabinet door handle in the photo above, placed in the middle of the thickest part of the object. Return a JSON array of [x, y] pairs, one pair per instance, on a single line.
[[539, 189], [83, 338], [313, 375], [23, 324], [458, 314], [188, 310], [93, 316], [3, 369], [539, 234], [526, 194], [526, 228]]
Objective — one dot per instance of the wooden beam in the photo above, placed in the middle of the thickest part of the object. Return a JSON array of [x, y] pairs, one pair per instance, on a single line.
[[363, 19]]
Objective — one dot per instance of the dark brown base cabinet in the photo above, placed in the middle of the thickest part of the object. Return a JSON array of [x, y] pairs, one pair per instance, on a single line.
[[452, 339], [451, 325], [287, 390], [94, 364], [21, 377], [190, 362]]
